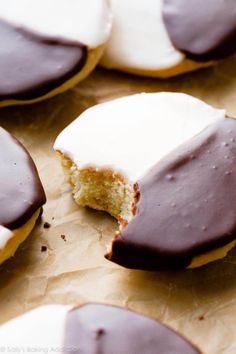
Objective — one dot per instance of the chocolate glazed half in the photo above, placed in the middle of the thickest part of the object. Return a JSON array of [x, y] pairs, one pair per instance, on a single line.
[[21, 191], [187, 204], [203, 29], [32, 65], [103, 329]]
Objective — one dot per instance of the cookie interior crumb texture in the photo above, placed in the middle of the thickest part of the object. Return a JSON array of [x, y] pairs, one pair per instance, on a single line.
[[101, 189]]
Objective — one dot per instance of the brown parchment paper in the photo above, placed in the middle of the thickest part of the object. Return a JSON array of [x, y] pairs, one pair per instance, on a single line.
[[199, 303]]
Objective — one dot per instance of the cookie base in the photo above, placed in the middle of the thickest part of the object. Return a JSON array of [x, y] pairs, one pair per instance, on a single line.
[[212, 256], [100, 189], [182, 68], [17, 237]]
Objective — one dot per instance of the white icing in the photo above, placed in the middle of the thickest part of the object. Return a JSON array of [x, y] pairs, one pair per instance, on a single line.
[[40, 330], [131, 134], [85, 21], [5, 235], [139, 38]]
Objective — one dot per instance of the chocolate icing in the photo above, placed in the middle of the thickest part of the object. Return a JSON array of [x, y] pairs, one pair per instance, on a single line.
[[32, 65], [187, 204], [203, 29], [21, 192], [103, 329]]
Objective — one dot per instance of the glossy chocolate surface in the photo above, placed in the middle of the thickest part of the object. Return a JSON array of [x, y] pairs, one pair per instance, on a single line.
[[32, 65], [103, 329], [203, 29], [187, 204], [21, 192]]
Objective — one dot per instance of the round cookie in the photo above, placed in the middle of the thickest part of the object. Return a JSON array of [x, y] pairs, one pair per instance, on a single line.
[[91, 329], [164, 38], [49, 46], [21, 195], [163, 164]]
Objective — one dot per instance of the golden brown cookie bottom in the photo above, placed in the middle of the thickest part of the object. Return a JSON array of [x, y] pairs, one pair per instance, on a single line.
[[17, 237]]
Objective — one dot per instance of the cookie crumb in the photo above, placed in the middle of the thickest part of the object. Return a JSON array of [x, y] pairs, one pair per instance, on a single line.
[[63, 237], [44, 248], [46, 225], [100, 332]]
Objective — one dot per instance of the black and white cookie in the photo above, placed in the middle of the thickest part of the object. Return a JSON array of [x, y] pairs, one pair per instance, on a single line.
[[48, 46], [164, 38], [21, 195], [91, 329], [164, 165]]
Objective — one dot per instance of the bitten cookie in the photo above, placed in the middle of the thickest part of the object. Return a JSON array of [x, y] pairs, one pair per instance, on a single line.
[[21, 195], [91, 329], [48, 46], [163, 38], [164, 165]]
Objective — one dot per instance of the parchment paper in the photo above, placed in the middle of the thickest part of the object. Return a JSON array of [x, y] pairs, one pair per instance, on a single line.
[[199, 303]]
